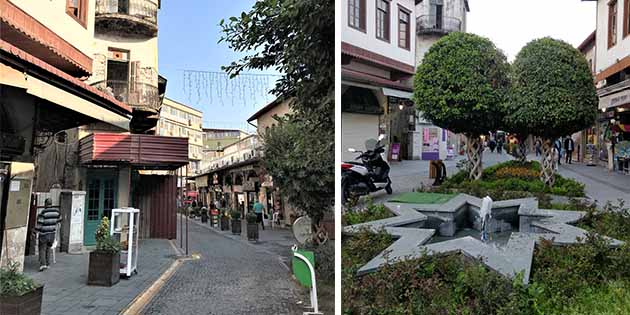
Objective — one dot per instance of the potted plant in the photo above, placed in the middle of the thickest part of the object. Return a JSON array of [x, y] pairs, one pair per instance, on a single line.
[[225, 221], [18, 293], [236, 221], [252, 227], [104, 266]]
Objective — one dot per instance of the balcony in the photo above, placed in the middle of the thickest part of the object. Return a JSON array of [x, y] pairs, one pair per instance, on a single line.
[[141, 96], [433, 24], [126, 17]]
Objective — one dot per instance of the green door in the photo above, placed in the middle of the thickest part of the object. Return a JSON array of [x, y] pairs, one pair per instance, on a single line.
[[100, 200]]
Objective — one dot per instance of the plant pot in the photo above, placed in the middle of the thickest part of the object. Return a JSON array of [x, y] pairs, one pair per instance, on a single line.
[[104, 269], [236, 226], [252, 231], [225, 223], [27, 304]]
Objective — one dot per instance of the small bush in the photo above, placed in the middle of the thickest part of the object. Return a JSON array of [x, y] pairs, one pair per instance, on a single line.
[[15, 283], [104, 241], [371, 212], [324, 260]]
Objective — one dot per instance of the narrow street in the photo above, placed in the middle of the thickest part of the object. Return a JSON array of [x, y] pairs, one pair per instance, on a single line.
[[231, 277]]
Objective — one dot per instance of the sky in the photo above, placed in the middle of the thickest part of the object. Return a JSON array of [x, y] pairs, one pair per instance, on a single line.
[[188, 39], [511, 24]]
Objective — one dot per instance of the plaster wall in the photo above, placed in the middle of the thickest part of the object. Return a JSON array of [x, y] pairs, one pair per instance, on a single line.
[[607, 57], [52, 14], [367, 40]]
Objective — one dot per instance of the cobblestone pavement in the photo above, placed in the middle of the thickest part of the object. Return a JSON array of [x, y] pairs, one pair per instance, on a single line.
[[65, 283], [231, 277]]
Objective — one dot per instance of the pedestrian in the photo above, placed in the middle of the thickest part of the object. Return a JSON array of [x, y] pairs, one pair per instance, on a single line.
[[558, 146], [46, 227], [258, 210], [492, 144], [569, 146], [440, 173], [538, 146], [500, 145]]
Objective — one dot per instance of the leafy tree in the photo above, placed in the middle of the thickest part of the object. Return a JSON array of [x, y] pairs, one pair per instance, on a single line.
[[553, 95], [461, 86], [295, 37]]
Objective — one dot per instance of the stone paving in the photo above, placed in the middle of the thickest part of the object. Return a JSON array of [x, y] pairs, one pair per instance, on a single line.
[[601, 185], [65, 283], [231, 277]]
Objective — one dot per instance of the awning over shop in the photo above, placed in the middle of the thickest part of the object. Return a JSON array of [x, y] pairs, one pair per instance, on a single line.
[[615, 99], [397, 93], [61, 89]]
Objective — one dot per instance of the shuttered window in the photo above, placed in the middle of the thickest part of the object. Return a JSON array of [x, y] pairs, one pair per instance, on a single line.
[[382, 20], [356, 14], [78, 10], [626, 18], [612, 23], [403, 29]]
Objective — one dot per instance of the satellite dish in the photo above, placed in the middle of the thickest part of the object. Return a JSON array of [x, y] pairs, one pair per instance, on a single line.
[[302, 229]]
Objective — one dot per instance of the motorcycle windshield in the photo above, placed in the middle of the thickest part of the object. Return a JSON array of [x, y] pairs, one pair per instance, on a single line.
[[370, 144]]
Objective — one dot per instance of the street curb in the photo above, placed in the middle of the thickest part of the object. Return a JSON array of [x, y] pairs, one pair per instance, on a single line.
[[144, 298]]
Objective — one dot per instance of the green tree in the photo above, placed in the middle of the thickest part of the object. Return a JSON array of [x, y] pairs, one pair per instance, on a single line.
[[295, 37], [553, 95], [461, 85]]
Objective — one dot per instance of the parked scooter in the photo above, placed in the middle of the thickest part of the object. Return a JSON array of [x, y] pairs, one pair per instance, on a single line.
[[369, 175]]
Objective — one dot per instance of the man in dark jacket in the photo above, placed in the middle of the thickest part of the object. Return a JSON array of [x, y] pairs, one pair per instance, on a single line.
[[47, 221], [569, 146]]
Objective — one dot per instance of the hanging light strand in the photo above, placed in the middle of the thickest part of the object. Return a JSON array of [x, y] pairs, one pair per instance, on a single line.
[[215, 86]]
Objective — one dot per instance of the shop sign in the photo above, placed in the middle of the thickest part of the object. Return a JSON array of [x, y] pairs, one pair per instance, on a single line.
[[614, 100], [249, 186]]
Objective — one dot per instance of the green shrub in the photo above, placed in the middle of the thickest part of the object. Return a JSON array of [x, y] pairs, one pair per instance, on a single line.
[[104, 241], [324, 260], [15, 283], [251, 218], [371, 212], [513, 176], [235, 214]]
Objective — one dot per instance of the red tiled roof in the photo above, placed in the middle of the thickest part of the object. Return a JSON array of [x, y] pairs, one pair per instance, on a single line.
[[24, 56]]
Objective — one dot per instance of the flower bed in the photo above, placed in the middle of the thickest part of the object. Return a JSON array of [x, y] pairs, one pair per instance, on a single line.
[[513, 176]]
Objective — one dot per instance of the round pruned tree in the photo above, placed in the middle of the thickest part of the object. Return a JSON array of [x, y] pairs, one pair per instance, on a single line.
[[553, 95], [461, 85]]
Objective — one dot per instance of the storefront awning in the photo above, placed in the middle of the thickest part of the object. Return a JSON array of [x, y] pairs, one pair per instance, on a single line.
[[615, 99], [397, 93]]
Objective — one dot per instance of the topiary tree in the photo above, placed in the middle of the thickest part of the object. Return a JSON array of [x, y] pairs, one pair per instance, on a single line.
[[461, 86], [553, 95]]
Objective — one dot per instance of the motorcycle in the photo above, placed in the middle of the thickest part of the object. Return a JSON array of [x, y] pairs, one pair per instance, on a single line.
[[369, 175]]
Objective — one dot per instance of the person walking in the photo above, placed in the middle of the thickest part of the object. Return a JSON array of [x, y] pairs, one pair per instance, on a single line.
[[46, 227], [538, 146], [569, 146], [558, 145], [258, 210]]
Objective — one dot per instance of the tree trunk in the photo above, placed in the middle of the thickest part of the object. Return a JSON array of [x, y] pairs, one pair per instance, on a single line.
[[522, 150], [474, 149], [547, 173]]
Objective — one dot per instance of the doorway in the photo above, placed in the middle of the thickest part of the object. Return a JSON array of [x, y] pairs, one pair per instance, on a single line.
[[101, 198]]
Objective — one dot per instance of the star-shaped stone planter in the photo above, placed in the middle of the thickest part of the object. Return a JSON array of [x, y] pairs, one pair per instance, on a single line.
[[416, 226]]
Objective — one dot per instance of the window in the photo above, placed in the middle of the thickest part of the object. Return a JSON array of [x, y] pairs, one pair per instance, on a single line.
[[612, 23], [356, 14], [382, 20], [626, 18], [78, 10], [403, 28]]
